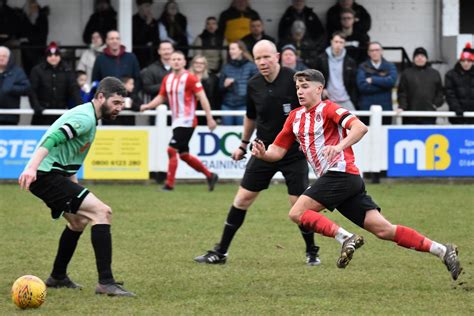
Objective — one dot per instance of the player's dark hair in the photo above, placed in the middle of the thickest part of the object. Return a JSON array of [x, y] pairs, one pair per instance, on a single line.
[[310, 75], [110, 86]]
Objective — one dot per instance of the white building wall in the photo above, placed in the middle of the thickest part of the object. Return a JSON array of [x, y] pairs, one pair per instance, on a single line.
[[407, 23]]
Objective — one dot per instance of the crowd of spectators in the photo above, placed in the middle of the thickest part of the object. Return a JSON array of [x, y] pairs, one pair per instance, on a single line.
[[357, 75]]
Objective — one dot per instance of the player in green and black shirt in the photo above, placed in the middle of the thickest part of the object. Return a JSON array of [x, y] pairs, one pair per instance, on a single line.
[[51, 175]]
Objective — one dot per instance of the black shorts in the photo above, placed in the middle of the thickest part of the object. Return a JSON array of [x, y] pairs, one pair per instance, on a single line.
[[344, 192], [59, 193], [180, 139], [259, 173]]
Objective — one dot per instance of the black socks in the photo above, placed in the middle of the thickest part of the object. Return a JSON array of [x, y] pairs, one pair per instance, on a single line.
[[67, 246], [235, 218], [102, 243]]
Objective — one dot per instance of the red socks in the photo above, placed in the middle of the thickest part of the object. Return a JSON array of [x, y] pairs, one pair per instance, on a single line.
[[172, 166], [410, 238], [318, 223], [195, 163]]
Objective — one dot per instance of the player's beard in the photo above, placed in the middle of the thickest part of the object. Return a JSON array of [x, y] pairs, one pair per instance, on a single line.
[[106, 112]]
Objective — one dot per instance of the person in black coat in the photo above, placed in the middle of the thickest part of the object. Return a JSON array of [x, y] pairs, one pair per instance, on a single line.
[[35, 28], [173, 26], [13, 84], [356, 40], [145, 33], [459, 84], [103, 20], [299, 11], [53, 85], [363, 21], [257, 33], [420, 89]]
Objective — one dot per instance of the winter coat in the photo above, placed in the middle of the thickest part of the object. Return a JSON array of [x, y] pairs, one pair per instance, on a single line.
[[87, 60], [152, 76], [52, 88], [241, 71], [101, 22], [349, 74], [124, 64], [420, 89], [379, 92], [459, 85], [144, 35], [215, 57], [234, 24], [333, 18], [13, 84], [314, 27]]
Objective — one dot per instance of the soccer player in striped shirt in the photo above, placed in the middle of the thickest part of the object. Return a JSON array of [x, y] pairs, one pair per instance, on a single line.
[[321, 128], [183, 90], [51, 175]]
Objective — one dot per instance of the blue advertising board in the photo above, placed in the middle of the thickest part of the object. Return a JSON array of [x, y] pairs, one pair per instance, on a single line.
[[16, 148], [431, 152]]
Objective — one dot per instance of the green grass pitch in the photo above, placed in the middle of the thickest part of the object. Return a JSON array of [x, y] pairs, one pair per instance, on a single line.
[[157, 234]]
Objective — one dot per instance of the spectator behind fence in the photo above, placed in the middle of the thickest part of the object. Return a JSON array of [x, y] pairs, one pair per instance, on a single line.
[[376, 78], [340, 72], [132, 103], [153, 75], [362, 23], [233, 82], [459, 84], [13, 84], [87, 93], [10, 29], [34, 21], [53, 84], [87, 60], [234, 23], [356, 40], [211, 41], [257, 33], [306, 48], [420, 89], [145, 32], [199, 67], [299, 11], [116, 62], [103, 20], [173, 26], [289, 59]]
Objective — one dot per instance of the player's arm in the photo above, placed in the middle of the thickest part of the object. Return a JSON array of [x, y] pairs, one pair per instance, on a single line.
[[74, 179], [159, 99], [357, 131], [54, 139], [273, 153], [206, 106]]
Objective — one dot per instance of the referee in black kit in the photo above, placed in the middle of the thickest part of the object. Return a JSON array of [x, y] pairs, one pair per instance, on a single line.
[[271, 95]]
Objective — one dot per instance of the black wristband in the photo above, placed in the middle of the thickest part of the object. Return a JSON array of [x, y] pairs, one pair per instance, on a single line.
[[243, 149], [246, 142]]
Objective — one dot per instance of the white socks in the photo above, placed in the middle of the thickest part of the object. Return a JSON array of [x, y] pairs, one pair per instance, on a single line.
[[438, 249], [342, 235]]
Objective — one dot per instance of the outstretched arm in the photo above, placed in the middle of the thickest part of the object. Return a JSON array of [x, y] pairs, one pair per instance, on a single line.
[[273, 153], [29, 174], [153, 103]]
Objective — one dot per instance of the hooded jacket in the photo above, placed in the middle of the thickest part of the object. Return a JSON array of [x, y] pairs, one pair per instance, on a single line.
[[124, 64], [349, 72]]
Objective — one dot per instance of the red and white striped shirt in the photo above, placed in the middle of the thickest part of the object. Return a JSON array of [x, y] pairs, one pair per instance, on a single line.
[[180, 90], [324, 125]]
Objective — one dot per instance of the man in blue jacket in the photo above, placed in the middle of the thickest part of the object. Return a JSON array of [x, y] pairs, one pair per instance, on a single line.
[[376, 78], [116, 62], [13, 84]]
